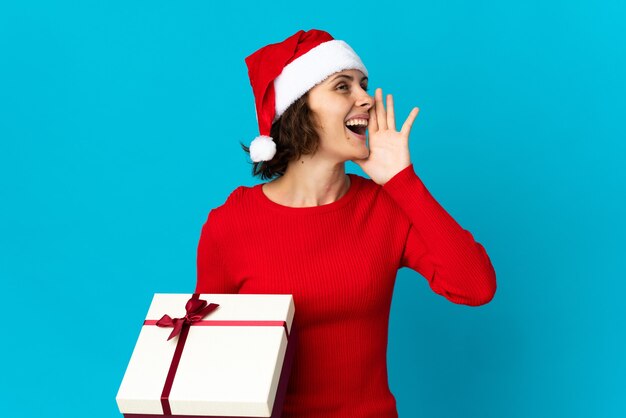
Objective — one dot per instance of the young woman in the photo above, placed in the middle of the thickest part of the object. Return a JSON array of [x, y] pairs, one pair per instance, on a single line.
[[335, 241]]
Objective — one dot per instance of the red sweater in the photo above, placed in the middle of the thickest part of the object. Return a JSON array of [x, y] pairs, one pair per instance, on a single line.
[[339, 261]]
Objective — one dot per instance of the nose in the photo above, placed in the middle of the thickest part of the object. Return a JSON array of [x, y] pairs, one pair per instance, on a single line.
[[365, 100]]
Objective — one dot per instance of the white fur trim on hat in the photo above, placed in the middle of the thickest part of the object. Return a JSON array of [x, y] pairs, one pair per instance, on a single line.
[[303, 73], [262, 148]]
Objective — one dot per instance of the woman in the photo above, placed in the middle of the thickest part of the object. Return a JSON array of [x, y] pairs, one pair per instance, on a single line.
[[334, 241]]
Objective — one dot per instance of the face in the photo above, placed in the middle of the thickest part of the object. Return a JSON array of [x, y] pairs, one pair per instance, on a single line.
[[342, 96]]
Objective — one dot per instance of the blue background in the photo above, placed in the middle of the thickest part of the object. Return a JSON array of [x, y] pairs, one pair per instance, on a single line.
[[120, 125]]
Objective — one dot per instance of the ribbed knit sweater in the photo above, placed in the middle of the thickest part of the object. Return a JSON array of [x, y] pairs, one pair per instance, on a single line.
[[339, 261]]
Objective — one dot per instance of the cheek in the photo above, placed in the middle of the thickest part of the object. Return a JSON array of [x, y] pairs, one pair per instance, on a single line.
[[332, 123], [333, 115]]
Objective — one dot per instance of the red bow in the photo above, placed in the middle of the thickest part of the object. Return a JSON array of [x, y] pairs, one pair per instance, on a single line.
[[196, 310]]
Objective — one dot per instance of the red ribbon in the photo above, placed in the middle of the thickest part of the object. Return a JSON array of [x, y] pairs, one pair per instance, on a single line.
[[196, 310]]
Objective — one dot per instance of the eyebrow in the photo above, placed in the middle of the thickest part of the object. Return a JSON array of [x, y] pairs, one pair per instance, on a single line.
[[349, 77]]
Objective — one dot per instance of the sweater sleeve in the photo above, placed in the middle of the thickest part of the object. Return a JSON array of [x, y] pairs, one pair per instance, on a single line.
[[212, 275], [455, 265]]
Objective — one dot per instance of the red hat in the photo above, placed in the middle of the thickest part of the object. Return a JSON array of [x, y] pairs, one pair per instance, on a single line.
[[281, 73]]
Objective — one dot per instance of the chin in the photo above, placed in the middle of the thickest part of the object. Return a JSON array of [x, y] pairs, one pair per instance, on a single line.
[[362, 154]]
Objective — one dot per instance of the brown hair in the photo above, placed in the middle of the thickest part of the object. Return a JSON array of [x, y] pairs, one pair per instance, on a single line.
[[294, 134]]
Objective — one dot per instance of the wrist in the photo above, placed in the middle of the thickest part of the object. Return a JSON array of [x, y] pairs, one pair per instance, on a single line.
[[397, 172]]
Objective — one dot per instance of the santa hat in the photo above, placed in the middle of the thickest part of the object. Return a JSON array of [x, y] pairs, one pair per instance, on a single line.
[[281, 73]]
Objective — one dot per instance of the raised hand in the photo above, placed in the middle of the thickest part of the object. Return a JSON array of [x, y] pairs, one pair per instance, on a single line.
[[389, 149]]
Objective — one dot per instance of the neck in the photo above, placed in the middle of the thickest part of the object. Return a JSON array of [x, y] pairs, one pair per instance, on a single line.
[[309, 182]]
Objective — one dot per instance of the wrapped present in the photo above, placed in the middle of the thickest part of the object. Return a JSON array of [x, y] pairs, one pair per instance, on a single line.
[[217, 355]]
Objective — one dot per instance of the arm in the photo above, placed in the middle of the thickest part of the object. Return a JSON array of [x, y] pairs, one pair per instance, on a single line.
[[212, 276], [455, 265]]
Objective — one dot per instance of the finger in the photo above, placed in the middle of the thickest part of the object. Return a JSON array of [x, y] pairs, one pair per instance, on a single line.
[[406, 127], [381, 115], [373, 124], [391, 119]]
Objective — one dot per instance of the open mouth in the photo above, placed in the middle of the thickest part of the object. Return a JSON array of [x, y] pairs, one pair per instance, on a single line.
[[357, 129]]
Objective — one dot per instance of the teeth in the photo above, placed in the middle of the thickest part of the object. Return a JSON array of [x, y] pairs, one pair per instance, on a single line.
[[353, 122]]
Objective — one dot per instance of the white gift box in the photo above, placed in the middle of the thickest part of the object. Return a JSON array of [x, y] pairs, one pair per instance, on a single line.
[[234, 362]]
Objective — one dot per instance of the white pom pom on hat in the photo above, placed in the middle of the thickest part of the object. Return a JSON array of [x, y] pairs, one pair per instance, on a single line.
[[262, 148], [283, 72]]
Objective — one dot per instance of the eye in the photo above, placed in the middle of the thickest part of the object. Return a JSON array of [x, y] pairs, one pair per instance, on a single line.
[[342, 85]]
